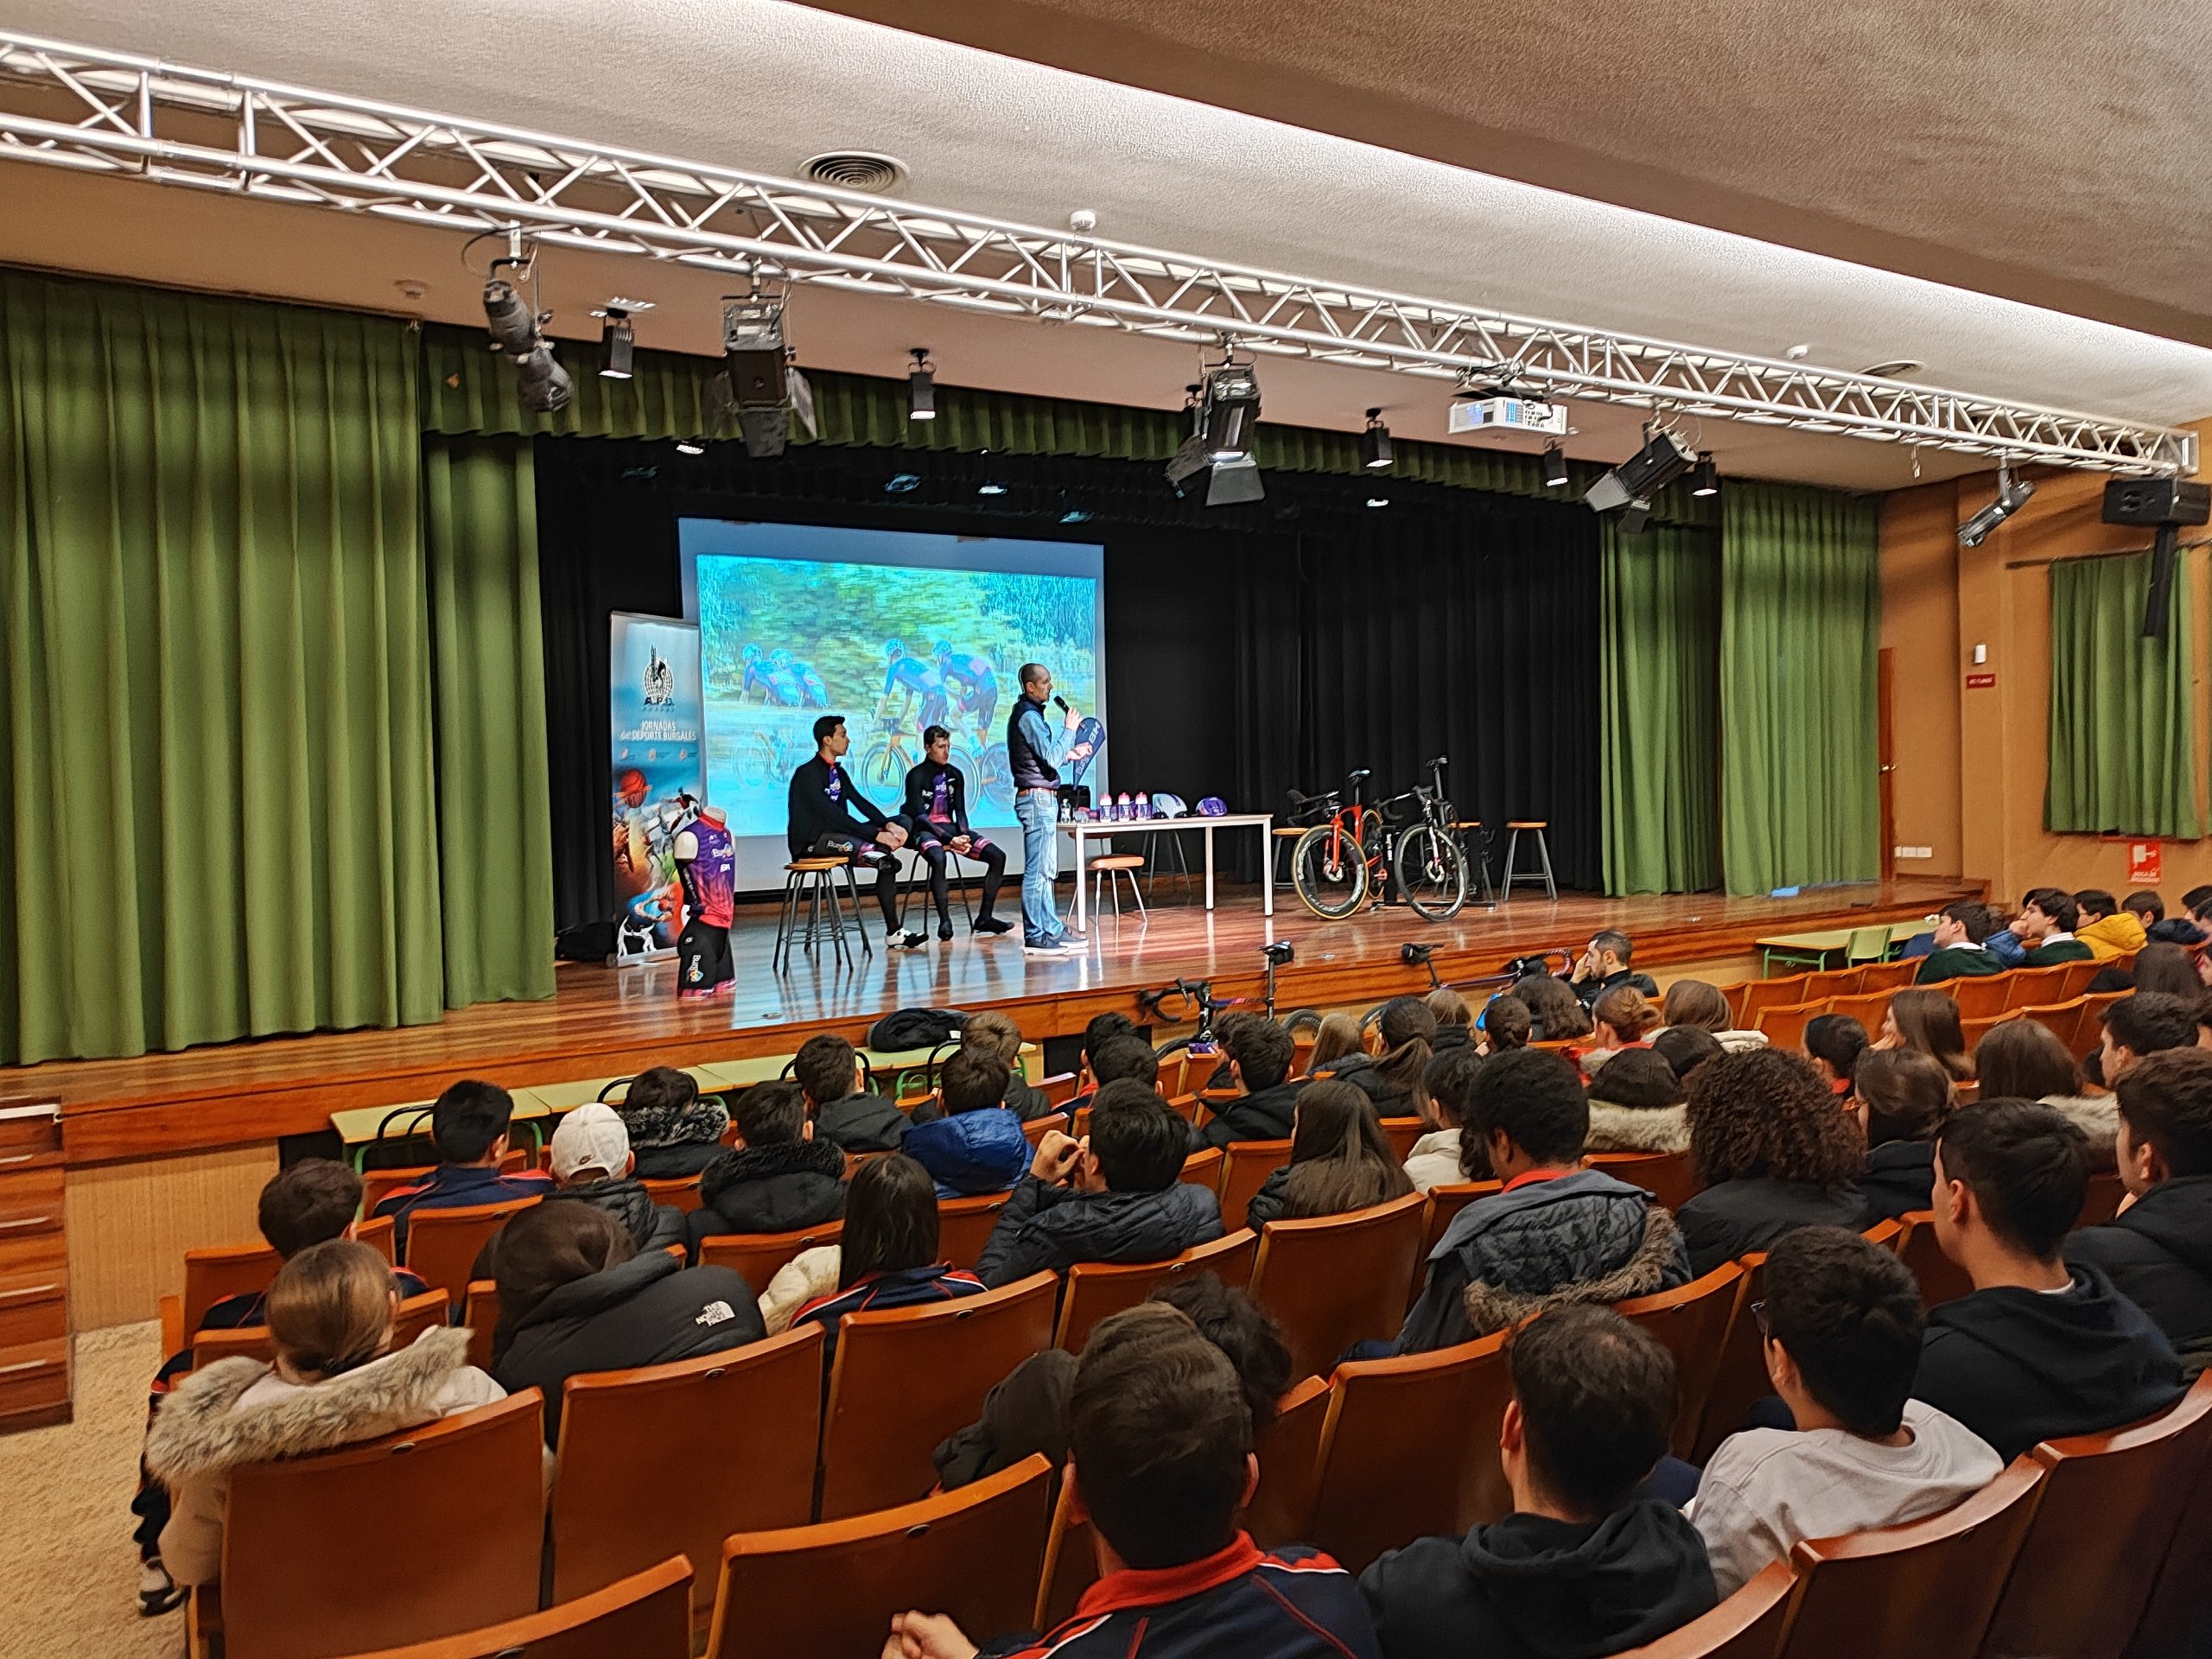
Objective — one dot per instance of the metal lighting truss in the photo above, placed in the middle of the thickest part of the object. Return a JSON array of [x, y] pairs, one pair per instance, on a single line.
[[114, 112]]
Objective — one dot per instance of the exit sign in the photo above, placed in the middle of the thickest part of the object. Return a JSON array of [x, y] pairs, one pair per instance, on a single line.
[[1981, 681]]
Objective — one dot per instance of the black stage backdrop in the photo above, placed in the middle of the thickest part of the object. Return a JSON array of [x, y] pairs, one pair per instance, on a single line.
[[1249, 650]]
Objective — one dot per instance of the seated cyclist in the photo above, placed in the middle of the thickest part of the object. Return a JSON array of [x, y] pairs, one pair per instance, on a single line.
[[830, 818], [937, 804]]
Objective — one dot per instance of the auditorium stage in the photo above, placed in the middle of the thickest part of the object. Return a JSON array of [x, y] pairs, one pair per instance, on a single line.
[[605, 1022]]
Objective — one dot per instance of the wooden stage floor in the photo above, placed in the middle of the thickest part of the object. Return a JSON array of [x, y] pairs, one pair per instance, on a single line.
[[605, 1022]]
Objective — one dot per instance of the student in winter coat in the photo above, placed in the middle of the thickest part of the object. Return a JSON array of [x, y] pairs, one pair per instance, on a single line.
[[828, 1070], [1339, 1160], [1556, 1233], [2150, 909], [1260, 1053], [575, 1298], [1636, 1105], [1580, 1565], [1902, 1097], [978, 1146], [2038, 1350], [1123, 1057], [1445, 1089], [886, 1256], [2157, 1252], [468, 1126], [592, 1161], [1455, 1020], [675, 1131], [1335, 1040], [1622, 1022], [1116, 1196], [1557, 1014], [2023, 1060], [1404, 1036], [1698, 1005], [335, 1382], [779, 1178], [2109, 929], [1604, 967], [997, 1037], [1773, 1152]]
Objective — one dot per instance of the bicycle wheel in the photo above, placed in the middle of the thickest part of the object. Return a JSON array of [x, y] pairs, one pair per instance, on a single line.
[[1431, 870], [1329, 873], [879, 766]]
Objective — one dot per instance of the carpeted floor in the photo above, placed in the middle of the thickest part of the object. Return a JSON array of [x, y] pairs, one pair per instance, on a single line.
[[64, 1528]]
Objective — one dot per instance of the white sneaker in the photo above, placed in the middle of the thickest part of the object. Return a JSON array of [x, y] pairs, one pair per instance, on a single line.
[[906, 939]]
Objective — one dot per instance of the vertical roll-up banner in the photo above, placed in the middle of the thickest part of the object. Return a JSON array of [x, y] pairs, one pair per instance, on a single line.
[[653, 690]]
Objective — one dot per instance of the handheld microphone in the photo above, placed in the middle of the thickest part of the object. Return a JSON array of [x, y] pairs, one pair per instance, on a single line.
[[1059, 703]]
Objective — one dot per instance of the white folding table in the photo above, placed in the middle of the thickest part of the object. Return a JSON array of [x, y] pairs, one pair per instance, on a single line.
[[1082, 830]]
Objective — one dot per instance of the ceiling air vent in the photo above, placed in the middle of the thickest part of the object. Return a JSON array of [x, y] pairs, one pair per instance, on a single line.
[[856, 169], [1896, 368]]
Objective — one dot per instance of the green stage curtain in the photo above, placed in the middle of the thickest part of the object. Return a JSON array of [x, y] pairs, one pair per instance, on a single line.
[[217, 720], [1800, 633], [1659, 643], [495, 843], [2123, 723]]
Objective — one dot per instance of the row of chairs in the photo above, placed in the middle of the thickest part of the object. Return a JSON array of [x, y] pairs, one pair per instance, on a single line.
[[2078, 1023]]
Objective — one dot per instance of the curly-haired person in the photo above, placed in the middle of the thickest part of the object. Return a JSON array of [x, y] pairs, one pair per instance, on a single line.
[[1775, 1153]]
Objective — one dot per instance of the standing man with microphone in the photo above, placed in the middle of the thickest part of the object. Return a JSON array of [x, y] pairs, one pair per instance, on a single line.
[[1034, 751]]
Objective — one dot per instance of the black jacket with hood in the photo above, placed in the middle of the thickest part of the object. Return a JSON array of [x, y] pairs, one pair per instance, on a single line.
[[772, 1189], [1052, 1228], [1263, 1115], [1531, 1587], [1737, 1217], [863, 1123], [2157, 1253], [651, 1226], [646, 1310], [2019, 1366], [1900, 1178], [1360, 1070], [669, 1142]]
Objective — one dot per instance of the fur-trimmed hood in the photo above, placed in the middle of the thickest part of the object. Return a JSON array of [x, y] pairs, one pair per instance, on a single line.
[[1637, 1128], [1655, 1266], [2096, 1116], [203, 1430]]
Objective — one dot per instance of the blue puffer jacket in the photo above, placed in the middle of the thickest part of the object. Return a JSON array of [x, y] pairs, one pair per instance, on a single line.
[[971, 1152]]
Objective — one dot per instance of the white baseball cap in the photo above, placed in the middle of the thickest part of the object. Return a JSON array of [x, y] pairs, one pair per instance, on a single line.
[[593, 1136]]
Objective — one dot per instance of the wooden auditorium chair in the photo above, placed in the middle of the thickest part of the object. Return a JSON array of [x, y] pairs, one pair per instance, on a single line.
[[1244, 1170], [1203, 1169], [1669, 1177], [443, 1245], [1071, 1564], [1890, 976], [2025, 987], [1038, 1128], [1401, 1132], [210, 1275], [1760, 994], [670, 1459], [480, 1312], [904, 1378], [1410, 1448], [1740, 1379], [1748, 1625], [1784, 1024], [2091, 1032], [1692, 1322], [1095, 1289], [417, 1314], [1445, 1202], [430, 1532], [1978, 996], [1290, 1450], [829, 1591], [1333, 1280], [1060, 1088], [1941, 1279], [681, 1192], [2062, 1020], [646, 1616], [963, 1227], [758, 1257]]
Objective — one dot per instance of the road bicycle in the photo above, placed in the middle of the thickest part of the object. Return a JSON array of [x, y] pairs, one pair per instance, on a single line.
[[1429, 861], [887, 760], [1338, 864], [1334, 863]]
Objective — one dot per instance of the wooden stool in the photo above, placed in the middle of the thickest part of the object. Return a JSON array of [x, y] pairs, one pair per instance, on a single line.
[[810, 882], [1113, 869], [1479, 855], [1287, 839], [1536, 827]]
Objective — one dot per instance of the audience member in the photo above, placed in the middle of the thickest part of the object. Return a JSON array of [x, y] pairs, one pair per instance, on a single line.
[[777, 1178], [1902, 1096], [1337, 1036], [1027, 1412], [1694, 1004], [1506, 1024], [1833, 1043], [2157, 1251], [2169, 969], [1635, 1105], [1556, 1233], [1841, 1331], [592, 1162], [885, 1257], [1622, 1019], [2045, 928], [2151, 910], [1961, 950], [1928, 1019], [1773, 1153], [2105, 926], [1101, 1029], [468, 1126], [1339, 1160], [2197, 901], [1603, 967], [1555, 1012], [2142, 1024], [829, 1072], [1455, 1020], [675, 1131], [1581, 1566], [334, 1382], [575, 1296], [2023, 1060], [978, 1146], [995, 1035], [1260, 1054], [1688, 1047], [1160, 1464], [1401, 1050], [1445, 1089], [1124, 1058], [1116, 1196], [2037, 1350]]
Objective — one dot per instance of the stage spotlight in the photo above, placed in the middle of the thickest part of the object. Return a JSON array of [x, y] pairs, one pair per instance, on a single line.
[[2012, 494], [1375, 444], [1554, 467], [1635, 516], [757, 378], [1663, 459], [690, 445], [512, 323], [1234, 481], [921, 386], [1705, 477], [1230, 409], [541, 383], [617, 336]]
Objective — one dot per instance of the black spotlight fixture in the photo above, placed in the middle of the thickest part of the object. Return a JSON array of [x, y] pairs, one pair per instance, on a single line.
[[618, 336], [1664, 458], [757, 379], [2012, 494], [1705, 477], [1229, 407], [541, 384], [1554, 467], [921, 386], [1374, 444]]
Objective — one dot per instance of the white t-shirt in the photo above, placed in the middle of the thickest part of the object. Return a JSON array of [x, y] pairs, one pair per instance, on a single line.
[[1767, 1489]]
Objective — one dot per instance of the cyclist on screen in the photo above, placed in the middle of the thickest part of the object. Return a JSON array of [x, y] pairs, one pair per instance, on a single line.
[[918, 679], [971, 681]]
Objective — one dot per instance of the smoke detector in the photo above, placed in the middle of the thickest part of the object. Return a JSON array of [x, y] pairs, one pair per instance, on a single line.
[[864, 170]]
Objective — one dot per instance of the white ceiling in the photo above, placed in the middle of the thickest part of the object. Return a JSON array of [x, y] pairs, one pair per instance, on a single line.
[[762, 85]]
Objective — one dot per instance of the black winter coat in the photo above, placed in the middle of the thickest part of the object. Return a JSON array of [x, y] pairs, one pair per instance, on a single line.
[[1025, 1103], [771, 1189], [2157, 1253], [1737, 1217], [651, 1226], [862, 1123], [1263, 1115], [1266, 1205], [1391, 1101], [1052, 1228], [646, 1310], [1900, 1178]]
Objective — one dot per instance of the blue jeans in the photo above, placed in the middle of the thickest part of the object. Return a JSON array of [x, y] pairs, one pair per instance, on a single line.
[[1038, 812]]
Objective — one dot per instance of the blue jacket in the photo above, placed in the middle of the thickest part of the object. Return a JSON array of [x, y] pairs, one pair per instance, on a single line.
[[2007, 947], [967, 1152]]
